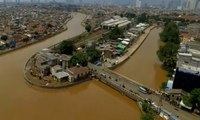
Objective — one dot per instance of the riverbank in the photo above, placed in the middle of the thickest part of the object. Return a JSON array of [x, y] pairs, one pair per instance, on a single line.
[[46, 81], [130, 52], [29, 102], [31, 42]]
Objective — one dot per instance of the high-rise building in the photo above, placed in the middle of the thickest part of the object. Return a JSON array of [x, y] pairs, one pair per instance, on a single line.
[[191, 4], [198, 5], [138, 3], [80, 2], [70, 1]]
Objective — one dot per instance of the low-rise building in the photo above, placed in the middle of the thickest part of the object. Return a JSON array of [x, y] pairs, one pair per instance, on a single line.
[[174, 96], [77, 73], [59, 74], [115, 21], [194, 30], [43, 62]]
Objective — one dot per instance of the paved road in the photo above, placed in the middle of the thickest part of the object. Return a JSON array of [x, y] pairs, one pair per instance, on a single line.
[[132, 87]]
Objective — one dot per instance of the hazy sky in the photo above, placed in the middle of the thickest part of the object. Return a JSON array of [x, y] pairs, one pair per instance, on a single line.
[[123, 2]]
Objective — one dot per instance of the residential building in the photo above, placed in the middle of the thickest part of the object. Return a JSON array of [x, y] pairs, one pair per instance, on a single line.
[[78, 72], [44, 61], [59, 74], [194, 30], [174, 96]]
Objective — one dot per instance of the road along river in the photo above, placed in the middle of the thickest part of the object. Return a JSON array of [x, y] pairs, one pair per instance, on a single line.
[[144, 66], [91, 100]]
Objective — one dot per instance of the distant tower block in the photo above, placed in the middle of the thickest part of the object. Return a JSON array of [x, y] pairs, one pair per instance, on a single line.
[[4, 1], [80, 2], [18, 1], [138, 3], [70, 1]]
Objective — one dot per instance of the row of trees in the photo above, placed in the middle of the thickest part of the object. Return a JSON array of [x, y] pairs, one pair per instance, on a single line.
[[167, 53], [91, 53]]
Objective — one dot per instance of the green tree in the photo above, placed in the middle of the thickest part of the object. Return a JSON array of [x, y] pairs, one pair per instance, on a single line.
[[193, 99], [167, 54], [164, 85], [170, 33], [130, 15], [66, 47], [183, 23], [147, 117], [79, 58], [88, 28], [143, 18], [146, 107], [167, 51], [93, 53], [4, 37], [116, 33]]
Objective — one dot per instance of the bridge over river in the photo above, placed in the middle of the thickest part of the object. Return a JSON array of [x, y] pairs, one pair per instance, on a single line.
[[130, 87]]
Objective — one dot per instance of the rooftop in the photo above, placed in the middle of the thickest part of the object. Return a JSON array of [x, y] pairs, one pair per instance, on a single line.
[[78, 70]]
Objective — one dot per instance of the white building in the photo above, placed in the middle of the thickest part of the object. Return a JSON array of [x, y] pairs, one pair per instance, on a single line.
[[59, 74], [116, 21], [189, 58]]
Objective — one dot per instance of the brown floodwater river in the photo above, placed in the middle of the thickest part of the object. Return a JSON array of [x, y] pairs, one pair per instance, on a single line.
[[144, 66], [91, 100]]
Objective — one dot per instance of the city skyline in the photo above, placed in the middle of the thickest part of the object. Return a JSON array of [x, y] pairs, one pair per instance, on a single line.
[[170, 4]]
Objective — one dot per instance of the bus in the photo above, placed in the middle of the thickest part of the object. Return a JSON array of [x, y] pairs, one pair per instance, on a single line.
[[142, 90]]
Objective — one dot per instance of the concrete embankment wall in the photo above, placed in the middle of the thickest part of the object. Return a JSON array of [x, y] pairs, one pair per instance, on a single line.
[[30, 79], [140, 43]]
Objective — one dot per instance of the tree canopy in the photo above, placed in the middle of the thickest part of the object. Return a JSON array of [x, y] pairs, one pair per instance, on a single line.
[[167, 53], [4, 37], [88, 27], [129, 15], [170, 49], [146, 107], [78, 58], [66, 47], [143, 18], [147, 117], [170, 33], [193, 99], [116, 33], [93, 53]]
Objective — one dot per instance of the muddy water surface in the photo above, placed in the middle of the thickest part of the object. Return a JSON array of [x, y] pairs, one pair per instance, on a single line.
[[144, 66], [91, 100]]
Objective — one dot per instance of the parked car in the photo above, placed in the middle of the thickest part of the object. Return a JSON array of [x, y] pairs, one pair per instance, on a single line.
[[98, 63]]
